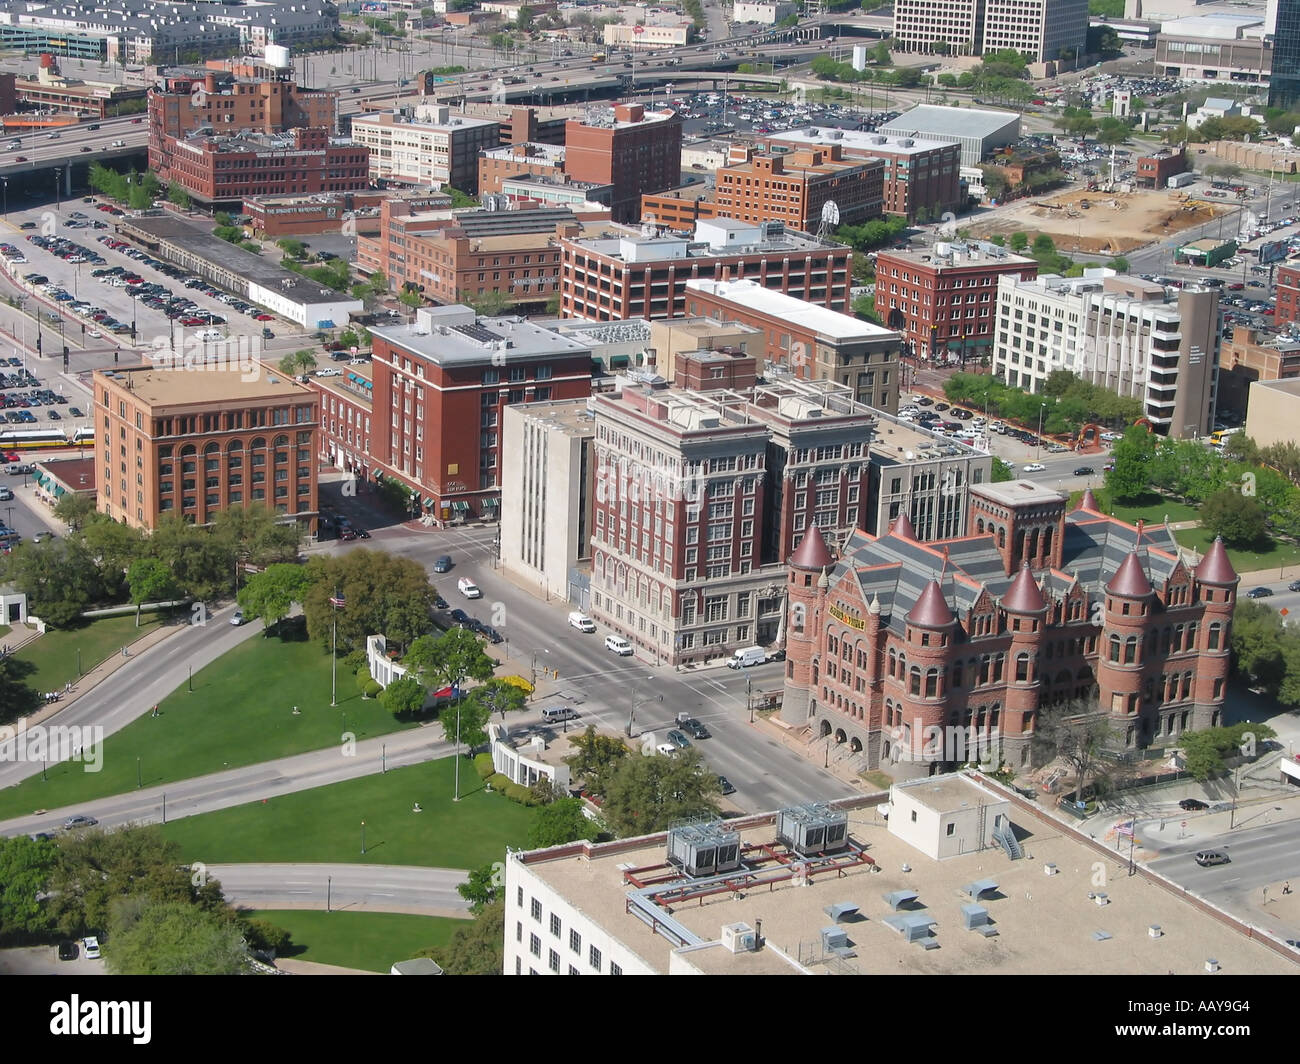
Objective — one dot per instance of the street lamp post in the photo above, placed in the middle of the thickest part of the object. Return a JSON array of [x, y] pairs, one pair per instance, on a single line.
[[1042, 409], [139, 778], [631, 714], [363, 838], [456, 796], [5, 181]]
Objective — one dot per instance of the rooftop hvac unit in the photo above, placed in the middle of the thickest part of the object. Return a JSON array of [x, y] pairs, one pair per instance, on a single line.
[[771, 230], [739, 938], [704, 849], [813, 829]]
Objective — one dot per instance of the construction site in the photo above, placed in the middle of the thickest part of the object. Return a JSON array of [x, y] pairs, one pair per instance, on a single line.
[[1098, 222]]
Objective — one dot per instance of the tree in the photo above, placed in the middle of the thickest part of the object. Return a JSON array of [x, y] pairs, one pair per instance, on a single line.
[[1231, 127], [271, 593], [113, 546], [465, 721], [172, 938], [450, 659], [491, 304], [74, 507], [483, 887], [1133, 457], [1003, 471], [1119, 264], [459, 199], [502, 696], [1044, 245], [596, 758], [1239, 520], [559, 822], [864, 306], [25, 869], [295, 249], [1204, 750], [1223, 170], [475, 949], [403, 697], [1019, 241], [149, 581], [647, 794], [1074, 732], [304, 361], [1112, 131], [17, 697], [410, 297], [384, 593], [58, 577], [288, 366]]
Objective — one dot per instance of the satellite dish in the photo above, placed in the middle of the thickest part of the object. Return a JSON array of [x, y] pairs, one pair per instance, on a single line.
[[831, 212]]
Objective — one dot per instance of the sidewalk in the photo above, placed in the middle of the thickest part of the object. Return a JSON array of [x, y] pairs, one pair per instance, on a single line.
[[101, 671]]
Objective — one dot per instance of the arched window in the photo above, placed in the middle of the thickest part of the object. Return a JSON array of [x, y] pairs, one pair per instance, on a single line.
[[1002, 538], [282, 441], [914, 681], [1187, 686], [235, 447], [212, 448], [956, 675], [1047, 543], [1216, 634], [189, 451], [1114, 648], [257, 443], [1130, 650], [932, 683], [893, 657], [1178, 638], [1022, 667], [999, 664]]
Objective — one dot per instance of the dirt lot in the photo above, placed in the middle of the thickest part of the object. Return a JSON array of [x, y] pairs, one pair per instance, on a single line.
[[1112, 223]]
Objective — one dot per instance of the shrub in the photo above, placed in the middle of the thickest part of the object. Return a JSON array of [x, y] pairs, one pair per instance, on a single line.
[[517, 792], [265, 937], [363, 681], [483, 766], [499, 782], [372, 689]]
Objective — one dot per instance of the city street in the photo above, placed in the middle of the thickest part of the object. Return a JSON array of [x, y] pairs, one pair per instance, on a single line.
[[343, 887]]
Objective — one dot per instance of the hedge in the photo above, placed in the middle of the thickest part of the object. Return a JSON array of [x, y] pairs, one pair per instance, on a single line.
[[499, 781], [483, 766]]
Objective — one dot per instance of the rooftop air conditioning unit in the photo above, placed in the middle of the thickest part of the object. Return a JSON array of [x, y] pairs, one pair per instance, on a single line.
[[739, 938]]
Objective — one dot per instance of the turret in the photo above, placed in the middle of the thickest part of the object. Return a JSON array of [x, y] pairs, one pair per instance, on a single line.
[[806, 589], [930, 629], [1216, 586], [1026, 618], [1121, 652]]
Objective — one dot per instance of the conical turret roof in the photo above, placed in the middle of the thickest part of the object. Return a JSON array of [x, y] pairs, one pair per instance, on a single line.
[[812, 552], [1089, 502], [1024, 594], [1129, 579], [931, 609], [1215, 568], [902, 527]]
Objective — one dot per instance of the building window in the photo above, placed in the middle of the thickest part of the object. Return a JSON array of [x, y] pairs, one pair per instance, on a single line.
[[593, 957], [615, 969], [553, 962], [536, 909], [555, 925], [534, 945]]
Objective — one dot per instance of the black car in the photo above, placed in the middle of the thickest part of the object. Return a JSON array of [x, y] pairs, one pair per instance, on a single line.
[[1260, 592], [694, 728], [941, 407], [439, 603], [68, 951], [1191, 804], [726, 785], [965, 415], [1293, 586], [461, 617], [490, 633], [443, 564], [925, 401], [1084, 471]]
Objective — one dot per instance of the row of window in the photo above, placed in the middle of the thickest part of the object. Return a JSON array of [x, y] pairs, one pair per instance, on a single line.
[[594, 959]]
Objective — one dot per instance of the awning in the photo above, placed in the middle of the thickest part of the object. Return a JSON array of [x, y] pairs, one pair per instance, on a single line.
[[491, 504], [598, 365], [618, 361], [460, 506]]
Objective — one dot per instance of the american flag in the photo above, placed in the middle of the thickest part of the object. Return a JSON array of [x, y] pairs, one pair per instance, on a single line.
[[338, 601]]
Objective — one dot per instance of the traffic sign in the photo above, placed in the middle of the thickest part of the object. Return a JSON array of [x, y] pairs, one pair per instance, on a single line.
[[1284, 611], [1184, 823]]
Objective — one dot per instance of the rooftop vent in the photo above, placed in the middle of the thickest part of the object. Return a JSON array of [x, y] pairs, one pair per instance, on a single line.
[[739, 938], [813, 828], [706, 849]]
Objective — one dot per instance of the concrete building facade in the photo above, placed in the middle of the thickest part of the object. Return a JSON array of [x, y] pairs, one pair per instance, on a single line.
[[1041, 30], [1272, 410], [546, 494], [1124, 334], [426, 146]]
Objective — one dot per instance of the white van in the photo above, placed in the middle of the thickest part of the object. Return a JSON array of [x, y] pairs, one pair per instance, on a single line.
[[558, 714], [580, 621], [468, 588], [747, 656], [210, 335], [618, 645]]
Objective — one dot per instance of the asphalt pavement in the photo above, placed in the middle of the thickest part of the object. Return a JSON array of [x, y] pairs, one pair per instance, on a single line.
[[344, 888]]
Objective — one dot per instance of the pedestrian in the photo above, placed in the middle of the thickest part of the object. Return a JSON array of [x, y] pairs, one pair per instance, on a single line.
[[155, 710], [1286, 887]]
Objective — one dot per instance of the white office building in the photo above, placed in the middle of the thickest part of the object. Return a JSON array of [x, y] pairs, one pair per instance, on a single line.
[[1124, 334], [426, 146]]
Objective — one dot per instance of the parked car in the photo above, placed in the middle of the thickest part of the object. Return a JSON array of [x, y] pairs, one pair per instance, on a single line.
[[91, 945], [1260, 592], [580, 621], [1085, 471], [461, 617], [468, 588], [726, 785], [1035, 467], [443, 564], [6, 495], [1193, 804], [678, 739], [1293, 586], [68, 951], [694, 728], [238, 618], [74, 822]]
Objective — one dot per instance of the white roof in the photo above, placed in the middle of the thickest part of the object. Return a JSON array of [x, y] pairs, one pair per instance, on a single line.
[[828, 323], [1221, 25]]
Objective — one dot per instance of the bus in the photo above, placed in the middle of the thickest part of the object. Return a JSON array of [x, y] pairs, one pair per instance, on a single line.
[[599, 57], [31, 439], [1219, 439], [83, 435]]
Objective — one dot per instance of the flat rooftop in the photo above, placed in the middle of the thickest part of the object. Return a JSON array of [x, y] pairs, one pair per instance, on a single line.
[[613, 238], [1018, 492], [901, 443], [528, 152], [931, 119], [1046, 924], [827, 323], [947, 793], [1290, 386], [455, 334], [188, 387], [959, 255], [569, 416], [852, 140], [395, 119], [172, 230]]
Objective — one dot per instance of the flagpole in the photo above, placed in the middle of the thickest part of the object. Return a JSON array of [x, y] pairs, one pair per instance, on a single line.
[[335, 603]]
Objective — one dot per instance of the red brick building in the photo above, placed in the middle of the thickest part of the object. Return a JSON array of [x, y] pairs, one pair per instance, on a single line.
[[924, 655], [635, 150], [514, 160], [227, 170], [706, 370], [273, 217], [1288, 292], [921, 177], [346, 409], [1154, 170], [440, 384], [945, 298], [792, 187], [185, 99], [632, 275]]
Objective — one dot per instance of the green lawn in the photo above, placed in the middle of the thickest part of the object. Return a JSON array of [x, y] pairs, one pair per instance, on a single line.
[[1244, 561], [325, 824], [1153, 508], [369, 941], [55, 653], [240, 713]]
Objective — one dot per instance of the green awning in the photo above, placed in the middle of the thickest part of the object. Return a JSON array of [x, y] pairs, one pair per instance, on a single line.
[[598, 365], [618, 361], [491, 504], [460, 506]]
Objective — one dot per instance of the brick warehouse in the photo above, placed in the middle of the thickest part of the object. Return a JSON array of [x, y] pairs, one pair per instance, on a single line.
[[920, 655]]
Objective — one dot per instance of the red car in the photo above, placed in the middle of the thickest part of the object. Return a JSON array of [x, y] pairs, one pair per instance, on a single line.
[[264, 317], [192, 320]]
